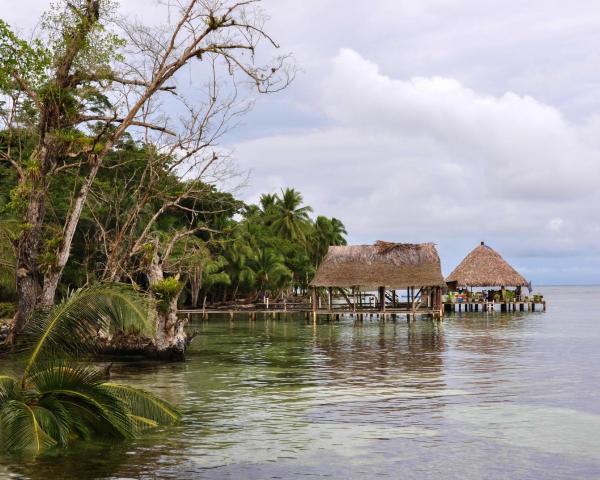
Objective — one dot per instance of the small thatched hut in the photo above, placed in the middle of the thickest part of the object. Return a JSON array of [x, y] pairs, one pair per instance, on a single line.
[[484, 267], [382, 266]]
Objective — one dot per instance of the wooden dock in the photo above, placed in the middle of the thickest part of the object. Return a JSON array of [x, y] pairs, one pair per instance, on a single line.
[[496, 306], [276, 310], [410, 310]]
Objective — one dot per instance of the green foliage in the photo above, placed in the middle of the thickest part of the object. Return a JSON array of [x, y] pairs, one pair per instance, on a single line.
[[8, 262], [56, 401], [66, 19], [73, 325], [289, 219], [165, 291], [7, 309], [20, 60]]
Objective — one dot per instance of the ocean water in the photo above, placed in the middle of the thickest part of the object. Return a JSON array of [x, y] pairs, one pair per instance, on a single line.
[[477, 396]]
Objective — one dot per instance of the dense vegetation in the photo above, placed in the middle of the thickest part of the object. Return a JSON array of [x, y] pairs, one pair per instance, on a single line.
[[109, 167], [238, 251]]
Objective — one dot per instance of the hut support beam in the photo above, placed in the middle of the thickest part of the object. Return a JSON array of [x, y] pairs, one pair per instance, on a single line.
[[313, 292]]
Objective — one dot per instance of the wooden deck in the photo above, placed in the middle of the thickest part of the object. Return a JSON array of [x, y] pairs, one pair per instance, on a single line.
[[493, 306], [409, 310]]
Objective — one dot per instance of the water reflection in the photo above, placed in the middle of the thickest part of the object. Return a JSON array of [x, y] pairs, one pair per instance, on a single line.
[[490, 395]]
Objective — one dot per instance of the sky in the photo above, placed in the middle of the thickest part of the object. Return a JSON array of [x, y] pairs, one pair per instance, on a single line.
[[445, 121]]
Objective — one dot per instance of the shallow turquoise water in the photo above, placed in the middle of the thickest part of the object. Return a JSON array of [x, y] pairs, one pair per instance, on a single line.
[[478, 396]]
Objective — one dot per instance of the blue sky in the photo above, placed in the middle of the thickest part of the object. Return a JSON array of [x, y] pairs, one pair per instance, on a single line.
[[452, 121]]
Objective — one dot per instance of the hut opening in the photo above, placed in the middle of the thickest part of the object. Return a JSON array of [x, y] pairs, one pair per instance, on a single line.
[[368, 278]]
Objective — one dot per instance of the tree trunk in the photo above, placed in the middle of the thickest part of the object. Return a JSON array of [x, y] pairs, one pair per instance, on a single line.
[[28, 275], [196, 285], [170, 340]]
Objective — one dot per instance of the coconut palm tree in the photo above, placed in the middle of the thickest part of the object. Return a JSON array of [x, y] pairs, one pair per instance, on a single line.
[[270, 270], [326, 232], [290, 218], [56, 400], [268, 202], [338, 232]]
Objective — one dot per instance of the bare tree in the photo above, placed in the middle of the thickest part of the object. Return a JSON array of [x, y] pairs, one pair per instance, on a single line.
[[94, 83]]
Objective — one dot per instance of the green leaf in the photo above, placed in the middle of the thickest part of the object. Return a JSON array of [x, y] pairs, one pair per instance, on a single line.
[[74, 325], [145, 408]]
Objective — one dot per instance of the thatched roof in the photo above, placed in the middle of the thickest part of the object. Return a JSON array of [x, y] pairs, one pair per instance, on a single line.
[[484, 267], [385, 264]]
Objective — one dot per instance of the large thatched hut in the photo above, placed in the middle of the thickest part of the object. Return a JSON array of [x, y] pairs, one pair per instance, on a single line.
[[484, 267], [384, 266]]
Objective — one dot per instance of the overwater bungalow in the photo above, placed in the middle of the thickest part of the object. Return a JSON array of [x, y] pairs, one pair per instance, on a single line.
[[485, 268], [368, 278]]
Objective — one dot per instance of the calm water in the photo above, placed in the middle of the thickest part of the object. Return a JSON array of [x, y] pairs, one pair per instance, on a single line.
[[496, 396]]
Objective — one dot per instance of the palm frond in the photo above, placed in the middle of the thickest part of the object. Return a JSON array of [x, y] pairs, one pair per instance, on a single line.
[[9, 388], [74, 325], [80, 390], [146, 409], [21, 430]]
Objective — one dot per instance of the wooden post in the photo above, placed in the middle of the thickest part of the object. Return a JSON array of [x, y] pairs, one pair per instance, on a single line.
[[382, 299], [330, 298], [313, 293], [354, 299]]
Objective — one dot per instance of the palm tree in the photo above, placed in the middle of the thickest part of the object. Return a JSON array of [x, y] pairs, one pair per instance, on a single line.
[[54, 400], [290, 218], [326, 232], [338, 232], [270, 270], [268, 202]]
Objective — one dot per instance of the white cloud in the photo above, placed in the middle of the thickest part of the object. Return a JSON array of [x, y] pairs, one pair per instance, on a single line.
[[447, 120], [431, 159]]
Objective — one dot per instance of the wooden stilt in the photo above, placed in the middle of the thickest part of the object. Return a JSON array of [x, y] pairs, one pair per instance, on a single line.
[[382, 299], [313, 292]]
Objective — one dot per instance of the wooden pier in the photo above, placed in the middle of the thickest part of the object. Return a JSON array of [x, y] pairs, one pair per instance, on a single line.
[[308, 313], [495, 306], [360, 311]]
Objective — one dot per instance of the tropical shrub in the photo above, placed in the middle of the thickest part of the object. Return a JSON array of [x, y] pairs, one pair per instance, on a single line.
[[165, 291]]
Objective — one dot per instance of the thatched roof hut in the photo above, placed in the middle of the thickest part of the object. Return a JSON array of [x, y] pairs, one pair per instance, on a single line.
[[384, 264], [484, 267]]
